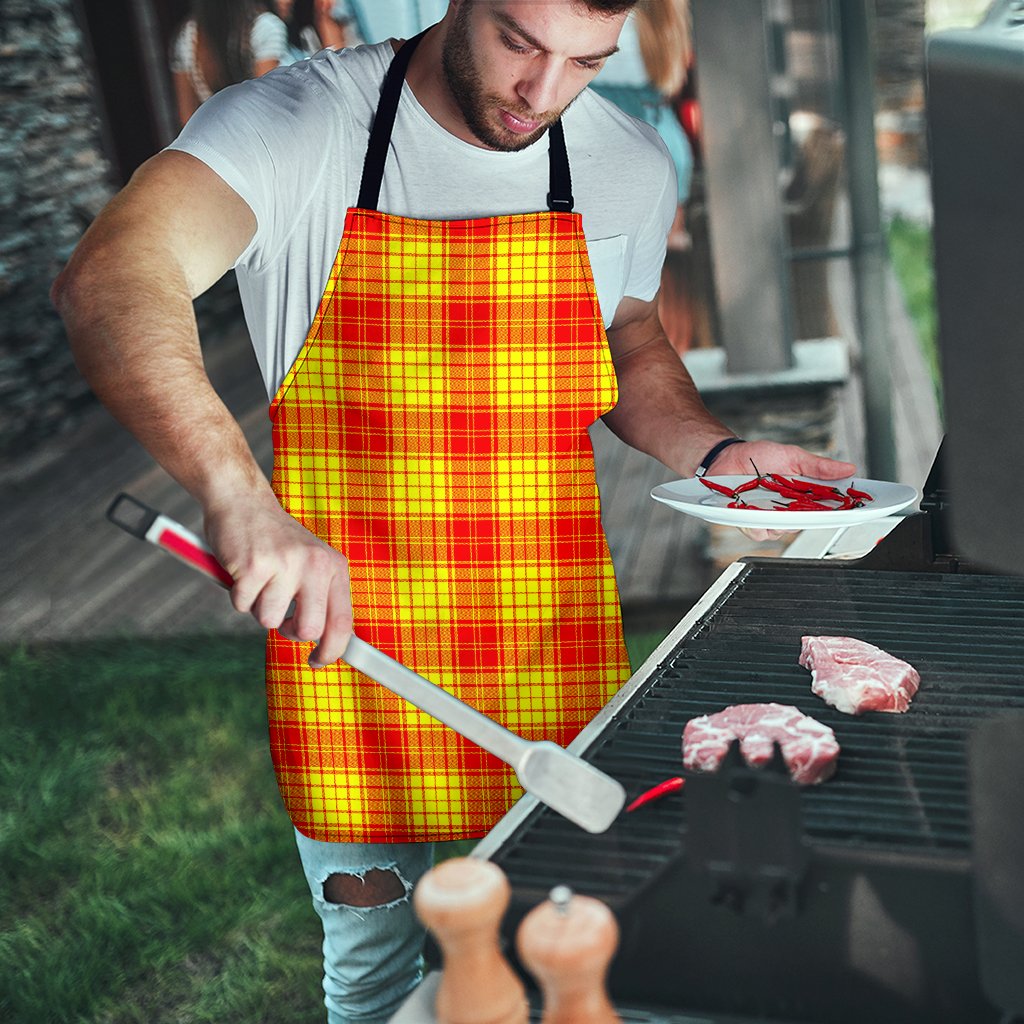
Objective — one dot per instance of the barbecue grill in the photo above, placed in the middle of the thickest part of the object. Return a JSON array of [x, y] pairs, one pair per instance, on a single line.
[[746, 897], [894, 892]]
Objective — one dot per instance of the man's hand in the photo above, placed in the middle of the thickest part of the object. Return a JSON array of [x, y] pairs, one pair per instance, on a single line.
[[772, 457], [275, 561]]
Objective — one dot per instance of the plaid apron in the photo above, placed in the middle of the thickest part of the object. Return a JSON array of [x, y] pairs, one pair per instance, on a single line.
[[434, 429]]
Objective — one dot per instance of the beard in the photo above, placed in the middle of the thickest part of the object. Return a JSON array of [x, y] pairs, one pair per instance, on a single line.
[[476, 105]]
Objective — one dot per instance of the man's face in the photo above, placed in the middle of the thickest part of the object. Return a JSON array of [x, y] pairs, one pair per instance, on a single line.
[[513, 66]]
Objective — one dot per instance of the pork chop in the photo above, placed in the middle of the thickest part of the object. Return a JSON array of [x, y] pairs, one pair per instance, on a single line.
[[854, 676], [809, 748]]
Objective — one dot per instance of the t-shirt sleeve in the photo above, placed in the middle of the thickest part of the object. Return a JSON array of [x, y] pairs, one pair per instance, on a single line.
[[268, 139], [269, 38], [652, 233]]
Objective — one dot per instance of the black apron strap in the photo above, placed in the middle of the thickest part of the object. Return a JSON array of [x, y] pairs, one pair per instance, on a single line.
[[559, 197], [383, 122]]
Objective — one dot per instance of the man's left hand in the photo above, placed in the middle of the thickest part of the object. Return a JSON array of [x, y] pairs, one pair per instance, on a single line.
[[772, 457]]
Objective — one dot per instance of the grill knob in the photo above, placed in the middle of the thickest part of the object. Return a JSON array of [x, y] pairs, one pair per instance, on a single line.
[[462, 901], [567, 943]]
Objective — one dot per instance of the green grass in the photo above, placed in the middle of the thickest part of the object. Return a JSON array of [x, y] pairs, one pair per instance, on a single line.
[[148, 873], [147, 868], [910, 248]]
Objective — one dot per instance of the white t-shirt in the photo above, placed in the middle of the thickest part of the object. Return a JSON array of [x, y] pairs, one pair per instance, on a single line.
[[292, 144]]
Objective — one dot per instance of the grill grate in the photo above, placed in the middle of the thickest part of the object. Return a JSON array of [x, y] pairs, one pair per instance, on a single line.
[[902, 782]]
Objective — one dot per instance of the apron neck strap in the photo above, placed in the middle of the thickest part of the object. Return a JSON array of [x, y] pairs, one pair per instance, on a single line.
[[383, 122], [559, 198], [560, 195]]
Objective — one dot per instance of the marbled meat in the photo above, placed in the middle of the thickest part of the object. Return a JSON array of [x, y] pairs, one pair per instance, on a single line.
[[855, 677], [809, 748]]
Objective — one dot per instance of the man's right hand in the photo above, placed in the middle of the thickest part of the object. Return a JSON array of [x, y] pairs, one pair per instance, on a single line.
[[274, 561]]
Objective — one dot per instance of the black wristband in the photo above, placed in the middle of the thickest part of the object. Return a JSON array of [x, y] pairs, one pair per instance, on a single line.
[[705, 463]]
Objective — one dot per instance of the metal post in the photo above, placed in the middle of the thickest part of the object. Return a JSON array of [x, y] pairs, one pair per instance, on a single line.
[[748, 243], [868, 241], [154, 63]]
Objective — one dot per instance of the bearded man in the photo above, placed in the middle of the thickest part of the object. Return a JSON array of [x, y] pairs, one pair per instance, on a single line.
[[434, 349]]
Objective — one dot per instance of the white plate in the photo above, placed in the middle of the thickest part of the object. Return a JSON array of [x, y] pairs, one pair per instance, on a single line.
[[693, 498]]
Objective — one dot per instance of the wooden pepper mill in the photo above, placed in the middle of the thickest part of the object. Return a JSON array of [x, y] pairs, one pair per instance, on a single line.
[[462, 902], [567, 943]]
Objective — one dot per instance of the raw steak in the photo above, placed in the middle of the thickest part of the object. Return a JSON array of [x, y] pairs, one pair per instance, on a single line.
[[855, 677], [809, 748]]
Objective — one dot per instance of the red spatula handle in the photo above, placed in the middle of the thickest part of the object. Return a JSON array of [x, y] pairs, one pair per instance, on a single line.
[[147, 524]]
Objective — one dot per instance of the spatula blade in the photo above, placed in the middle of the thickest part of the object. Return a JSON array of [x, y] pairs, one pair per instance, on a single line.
[[571, 786]]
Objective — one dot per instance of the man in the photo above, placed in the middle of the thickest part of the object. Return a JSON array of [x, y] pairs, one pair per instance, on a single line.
[[430, 437]]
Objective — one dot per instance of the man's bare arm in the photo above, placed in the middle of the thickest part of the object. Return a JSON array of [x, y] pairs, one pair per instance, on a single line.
[[660, 411], [126, 299]]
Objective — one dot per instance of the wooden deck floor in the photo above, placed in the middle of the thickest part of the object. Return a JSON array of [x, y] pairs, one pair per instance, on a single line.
[[68, 574]]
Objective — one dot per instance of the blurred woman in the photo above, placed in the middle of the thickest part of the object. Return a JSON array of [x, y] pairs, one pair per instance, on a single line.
[[224, 42], [648, 72], [645, 78], [313, 25]]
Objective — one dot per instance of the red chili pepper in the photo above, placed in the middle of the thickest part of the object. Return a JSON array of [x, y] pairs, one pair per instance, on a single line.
[[816, 490], [793, 485], [721, 488], [749, 485], [809, 487], [656, 793], [770, 484], [789, 492], [807, 505], [862, 495]]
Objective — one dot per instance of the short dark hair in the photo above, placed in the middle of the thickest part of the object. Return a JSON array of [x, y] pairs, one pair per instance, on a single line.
[[609, 6]]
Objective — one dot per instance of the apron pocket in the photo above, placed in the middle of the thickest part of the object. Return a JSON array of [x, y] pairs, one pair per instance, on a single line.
[[608, 263]]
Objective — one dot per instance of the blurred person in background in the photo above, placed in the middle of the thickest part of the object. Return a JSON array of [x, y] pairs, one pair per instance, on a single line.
[[373, 21], [646, 78], [221, 43], [647, 75], [313, 25]]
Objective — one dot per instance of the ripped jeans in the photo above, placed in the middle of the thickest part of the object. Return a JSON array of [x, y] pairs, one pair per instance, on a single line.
[[373, 943]]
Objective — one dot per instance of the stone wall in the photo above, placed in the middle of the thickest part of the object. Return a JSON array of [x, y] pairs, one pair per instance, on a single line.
[[53, 180]]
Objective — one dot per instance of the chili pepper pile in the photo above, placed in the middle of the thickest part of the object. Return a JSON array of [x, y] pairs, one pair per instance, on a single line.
[[800, 495]]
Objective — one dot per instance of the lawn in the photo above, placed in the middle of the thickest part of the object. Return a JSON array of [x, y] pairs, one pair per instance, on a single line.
[[147, 868]]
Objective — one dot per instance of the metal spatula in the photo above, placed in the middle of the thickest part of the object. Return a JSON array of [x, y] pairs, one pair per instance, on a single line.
[[567, 784]]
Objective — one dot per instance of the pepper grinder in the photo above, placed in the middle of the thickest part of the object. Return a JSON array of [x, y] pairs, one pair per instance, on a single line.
[[567, 943], [462, 901]]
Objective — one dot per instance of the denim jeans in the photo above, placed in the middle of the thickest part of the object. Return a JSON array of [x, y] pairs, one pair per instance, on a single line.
[[372, 955]]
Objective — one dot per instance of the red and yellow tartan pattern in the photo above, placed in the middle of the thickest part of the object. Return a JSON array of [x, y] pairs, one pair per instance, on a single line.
[[434, 429]]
